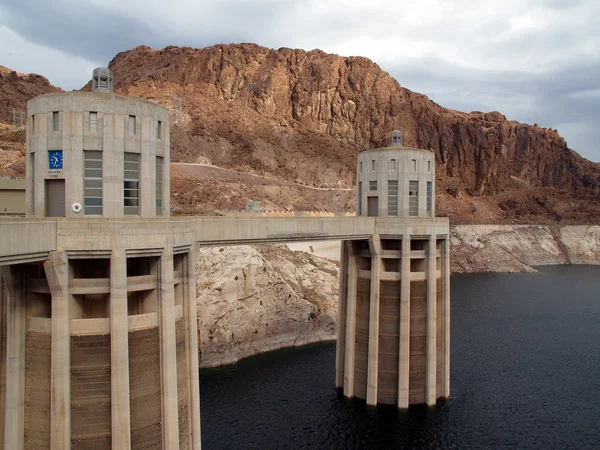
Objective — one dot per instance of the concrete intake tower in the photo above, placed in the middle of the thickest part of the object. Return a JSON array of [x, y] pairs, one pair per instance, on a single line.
[[394, 299], [99, 325]]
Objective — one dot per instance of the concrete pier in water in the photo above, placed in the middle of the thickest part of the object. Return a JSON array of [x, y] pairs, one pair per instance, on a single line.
[[394, 298]]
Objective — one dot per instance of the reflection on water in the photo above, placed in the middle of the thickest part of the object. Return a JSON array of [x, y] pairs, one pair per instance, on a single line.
[[525, 373]]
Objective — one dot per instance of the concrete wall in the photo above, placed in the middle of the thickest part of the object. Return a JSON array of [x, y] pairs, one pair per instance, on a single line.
[[90, 392], [37, 390], [393, 326], [145, 391], [111, 136]]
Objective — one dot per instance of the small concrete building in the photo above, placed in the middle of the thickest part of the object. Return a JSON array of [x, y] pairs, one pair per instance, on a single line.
[[394, 298], [12, 196]]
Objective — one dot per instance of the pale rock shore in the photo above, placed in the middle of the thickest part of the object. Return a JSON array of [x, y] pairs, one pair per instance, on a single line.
[[256, 299], [516, 248]]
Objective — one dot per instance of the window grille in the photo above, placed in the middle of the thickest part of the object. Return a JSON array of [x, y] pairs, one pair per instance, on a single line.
[[429, 193], [131, 184], [413, 198], [392, 198], [372, 185], [159, 185], [92, 182], [359, 207]]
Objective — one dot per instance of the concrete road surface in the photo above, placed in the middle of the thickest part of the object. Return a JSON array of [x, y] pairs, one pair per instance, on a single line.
[[324, 249]]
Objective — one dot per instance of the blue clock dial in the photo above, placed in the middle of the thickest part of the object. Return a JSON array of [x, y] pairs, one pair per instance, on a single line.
[[55, 159]]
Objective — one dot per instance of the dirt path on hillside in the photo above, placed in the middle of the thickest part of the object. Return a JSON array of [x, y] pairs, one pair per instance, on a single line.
[[210, 172]]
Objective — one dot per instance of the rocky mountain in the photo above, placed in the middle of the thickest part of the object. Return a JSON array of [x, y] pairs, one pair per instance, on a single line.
[[16, 89], [301, 117]]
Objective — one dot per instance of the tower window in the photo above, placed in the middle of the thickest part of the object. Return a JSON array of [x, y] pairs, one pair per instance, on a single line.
[[373, 164], [428, 166], [131, 124], [413, 198], [92, 182], [372, 185], [55, 121], [32, 124], [159, 130], [392, 198], [429, 193], [359, 199], [360, 164], [93, 121], [159, 185], [393, 164], [131, 194], [414, 165]]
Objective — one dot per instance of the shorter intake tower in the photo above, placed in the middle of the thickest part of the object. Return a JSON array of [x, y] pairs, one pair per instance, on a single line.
[[394, 304]]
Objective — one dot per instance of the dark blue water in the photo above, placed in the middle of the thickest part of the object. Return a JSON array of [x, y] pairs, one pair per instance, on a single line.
[[525, 373]]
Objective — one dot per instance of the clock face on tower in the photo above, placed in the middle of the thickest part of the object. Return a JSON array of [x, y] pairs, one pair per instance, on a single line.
[[55, 159]]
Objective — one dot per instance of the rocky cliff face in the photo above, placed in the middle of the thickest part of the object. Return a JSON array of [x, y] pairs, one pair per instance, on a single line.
[[16, 89], [338, 104], [252, 300]]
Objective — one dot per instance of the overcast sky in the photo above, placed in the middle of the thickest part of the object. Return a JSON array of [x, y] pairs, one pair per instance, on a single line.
[[536, 61]]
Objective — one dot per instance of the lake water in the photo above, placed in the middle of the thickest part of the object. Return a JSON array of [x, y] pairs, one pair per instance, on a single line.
[[525, 373]]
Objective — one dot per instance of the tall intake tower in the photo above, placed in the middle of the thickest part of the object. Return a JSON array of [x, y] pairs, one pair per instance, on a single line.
[[101, 331], [394, 300]]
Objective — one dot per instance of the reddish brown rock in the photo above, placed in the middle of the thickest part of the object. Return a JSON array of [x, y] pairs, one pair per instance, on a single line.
[[348, 99], [302, 116]]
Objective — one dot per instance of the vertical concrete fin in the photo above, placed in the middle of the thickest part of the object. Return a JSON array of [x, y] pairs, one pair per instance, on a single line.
[[404, 345], [373, 357], [431, 365], [350, 321], [446, 275], [119, 352], [57, 274], [191, 313], [341, 326], [3, 305], [14, 417], [168, 351]]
